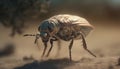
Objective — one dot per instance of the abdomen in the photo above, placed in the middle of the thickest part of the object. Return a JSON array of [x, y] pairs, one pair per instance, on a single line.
[[71, 23]]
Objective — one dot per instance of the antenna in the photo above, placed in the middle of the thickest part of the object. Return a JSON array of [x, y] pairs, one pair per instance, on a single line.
[[36, 38]]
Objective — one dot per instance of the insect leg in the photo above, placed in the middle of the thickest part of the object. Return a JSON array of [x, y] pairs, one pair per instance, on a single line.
[[70, 47], [45, 44], [85, 45], [58, 48], [51, 42]]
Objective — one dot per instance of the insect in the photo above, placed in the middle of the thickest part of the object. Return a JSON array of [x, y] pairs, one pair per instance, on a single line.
[[65, 27]]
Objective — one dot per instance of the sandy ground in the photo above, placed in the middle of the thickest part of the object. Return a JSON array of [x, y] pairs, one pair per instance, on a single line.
[[104, 41]]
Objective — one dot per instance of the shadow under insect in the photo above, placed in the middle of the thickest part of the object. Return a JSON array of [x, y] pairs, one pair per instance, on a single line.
[[48, 64]]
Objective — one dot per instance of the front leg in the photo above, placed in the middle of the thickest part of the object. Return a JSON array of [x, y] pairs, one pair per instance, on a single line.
[[45, 44], [51, 42]]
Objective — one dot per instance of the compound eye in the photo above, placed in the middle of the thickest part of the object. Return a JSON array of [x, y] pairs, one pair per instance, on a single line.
[[45, 35]]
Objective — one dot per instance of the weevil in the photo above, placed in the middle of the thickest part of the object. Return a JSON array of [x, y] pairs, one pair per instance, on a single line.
[[63, 27]]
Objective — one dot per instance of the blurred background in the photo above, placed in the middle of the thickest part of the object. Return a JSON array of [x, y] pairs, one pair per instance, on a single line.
[[18, 17]]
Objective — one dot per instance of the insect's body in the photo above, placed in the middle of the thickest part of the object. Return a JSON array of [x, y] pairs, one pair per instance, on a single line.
[[65, 27]]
